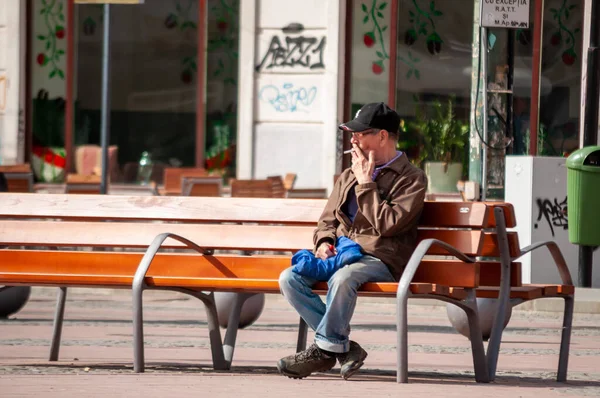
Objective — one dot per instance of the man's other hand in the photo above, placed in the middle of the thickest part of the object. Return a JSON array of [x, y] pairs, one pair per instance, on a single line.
[[324, 251]]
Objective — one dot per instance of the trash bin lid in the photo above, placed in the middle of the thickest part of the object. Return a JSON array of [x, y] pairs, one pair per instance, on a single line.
[[586, 159]]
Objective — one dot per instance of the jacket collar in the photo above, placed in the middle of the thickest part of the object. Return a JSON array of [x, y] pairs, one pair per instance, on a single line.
[[399, 164]]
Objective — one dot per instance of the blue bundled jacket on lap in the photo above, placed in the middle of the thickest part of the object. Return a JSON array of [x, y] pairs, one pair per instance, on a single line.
[[306, 264]]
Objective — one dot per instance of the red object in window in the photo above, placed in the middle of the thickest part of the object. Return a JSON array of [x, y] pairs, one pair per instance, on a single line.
[[568, 58], [41, 58], [377, 68]]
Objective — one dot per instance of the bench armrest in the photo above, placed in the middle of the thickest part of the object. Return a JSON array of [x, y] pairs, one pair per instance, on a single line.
[[557, 256], [420, 252], [140, 273]]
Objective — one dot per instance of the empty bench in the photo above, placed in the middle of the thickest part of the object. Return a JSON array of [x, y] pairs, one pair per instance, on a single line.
[[85, 226]]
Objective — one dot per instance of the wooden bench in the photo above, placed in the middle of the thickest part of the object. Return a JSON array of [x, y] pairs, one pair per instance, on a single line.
[[201, 227]]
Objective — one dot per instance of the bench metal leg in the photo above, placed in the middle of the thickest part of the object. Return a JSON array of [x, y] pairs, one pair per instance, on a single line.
[[138, 287], [493, 348], [565, 341], [138, 328], [402, 342], [58, 322], [214, 333], [302, 335], [233, 326], [480, 365]]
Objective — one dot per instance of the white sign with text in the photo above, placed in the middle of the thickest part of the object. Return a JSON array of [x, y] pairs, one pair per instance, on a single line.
[[505, 14]]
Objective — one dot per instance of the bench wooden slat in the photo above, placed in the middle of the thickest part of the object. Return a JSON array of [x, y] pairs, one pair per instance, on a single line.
[[554, 290], [448, 272], [468, 242], [522, 292], [216, 236], [490, 273], [121, 207], [69, 280], [454, 214], [490, 245], [509, 215], [42, 264], [131, 234]]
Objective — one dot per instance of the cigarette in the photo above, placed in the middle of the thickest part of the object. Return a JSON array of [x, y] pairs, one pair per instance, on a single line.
[[348, 151]]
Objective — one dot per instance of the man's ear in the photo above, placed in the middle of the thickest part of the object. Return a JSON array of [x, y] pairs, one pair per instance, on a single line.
[[383, 137]]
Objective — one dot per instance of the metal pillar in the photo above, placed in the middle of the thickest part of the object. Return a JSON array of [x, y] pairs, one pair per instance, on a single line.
[[484, 149], [105, 115]]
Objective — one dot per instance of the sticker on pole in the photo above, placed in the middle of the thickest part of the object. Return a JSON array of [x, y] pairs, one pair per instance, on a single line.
[[505, 13]]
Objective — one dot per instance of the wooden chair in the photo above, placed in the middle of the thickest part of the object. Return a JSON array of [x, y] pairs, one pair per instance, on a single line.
[[289, 180], [251, 188], [279, 190], [202, 186], [19, 177], [172, 178], [83, 184]]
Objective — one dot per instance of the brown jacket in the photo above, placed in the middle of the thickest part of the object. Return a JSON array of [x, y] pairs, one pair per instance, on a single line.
[[389, 208]]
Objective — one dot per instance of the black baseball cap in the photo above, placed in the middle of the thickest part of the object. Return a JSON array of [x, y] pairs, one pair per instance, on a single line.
[[374, 115]]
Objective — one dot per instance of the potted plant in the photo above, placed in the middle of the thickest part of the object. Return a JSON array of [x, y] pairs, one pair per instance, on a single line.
[[441, 143]]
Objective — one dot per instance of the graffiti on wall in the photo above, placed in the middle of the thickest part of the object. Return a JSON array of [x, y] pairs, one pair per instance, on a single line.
[[294, 51], [288, 98], [553, 212]]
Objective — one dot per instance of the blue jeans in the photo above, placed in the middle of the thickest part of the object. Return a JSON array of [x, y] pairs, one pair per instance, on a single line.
[[331, 321]]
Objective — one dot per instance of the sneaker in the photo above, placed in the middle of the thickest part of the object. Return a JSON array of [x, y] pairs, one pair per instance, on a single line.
[[305, 362], [352, 360]]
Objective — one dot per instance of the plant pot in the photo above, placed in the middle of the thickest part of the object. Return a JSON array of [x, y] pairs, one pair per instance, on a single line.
[[442, 177], [48, 164]]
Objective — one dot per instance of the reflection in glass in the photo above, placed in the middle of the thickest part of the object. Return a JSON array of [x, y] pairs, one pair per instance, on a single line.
[[561, 70], [152, 93], [434, 75]]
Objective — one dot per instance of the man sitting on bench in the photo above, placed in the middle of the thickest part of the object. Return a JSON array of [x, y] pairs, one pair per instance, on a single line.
[[376, 203]]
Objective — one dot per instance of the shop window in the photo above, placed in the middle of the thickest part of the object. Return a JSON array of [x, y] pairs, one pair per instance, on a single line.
[[370, 52], [434, 65], [560, 89], [222, 86], [153, 93], [48, 85]]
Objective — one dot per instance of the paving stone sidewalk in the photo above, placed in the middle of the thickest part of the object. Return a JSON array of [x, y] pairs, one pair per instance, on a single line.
[[96, 353]]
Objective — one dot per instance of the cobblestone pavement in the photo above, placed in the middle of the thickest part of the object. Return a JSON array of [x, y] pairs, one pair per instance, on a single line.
[[96, 352]]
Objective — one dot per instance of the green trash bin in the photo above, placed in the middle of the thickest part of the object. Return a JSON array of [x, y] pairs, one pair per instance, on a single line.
[[583, 194]]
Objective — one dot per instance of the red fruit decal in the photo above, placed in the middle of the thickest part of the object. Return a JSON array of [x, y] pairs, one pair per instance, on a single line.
[[60, 33], [369, 39], [377, 68], [568, 58], [41, 59], [222, 25]]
